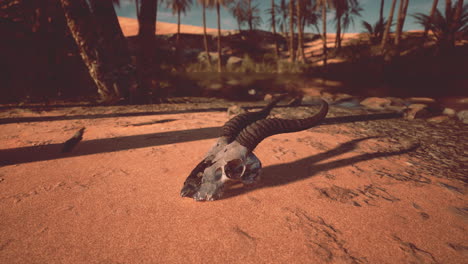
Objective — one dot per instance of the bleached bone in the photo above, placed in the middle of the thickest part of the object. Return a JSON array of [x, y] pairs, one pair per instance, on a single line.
[[231, 159]]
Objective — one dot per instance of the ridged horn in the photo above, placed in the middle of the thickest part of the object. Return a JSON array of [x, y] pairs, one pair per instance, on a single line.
[[235, 125], [253, 134]]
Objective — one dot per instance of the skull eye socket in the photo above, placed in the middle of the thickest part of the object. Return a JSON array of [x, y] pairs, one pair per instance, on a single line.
[[234, 169]]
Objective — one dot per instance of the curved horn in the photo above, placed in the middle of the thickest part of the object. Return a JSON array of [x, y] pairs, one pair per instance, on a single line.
[[235, 125], [253, 134]]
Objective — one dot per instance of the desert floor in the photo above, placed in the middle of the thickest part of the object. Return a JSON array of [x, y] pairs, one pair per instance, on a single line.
[[347, 191]]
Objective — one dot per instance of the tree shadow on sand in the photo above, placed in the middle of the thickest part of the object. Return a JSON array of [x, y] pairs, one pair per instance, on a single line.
[[282, 174], [95, 146]]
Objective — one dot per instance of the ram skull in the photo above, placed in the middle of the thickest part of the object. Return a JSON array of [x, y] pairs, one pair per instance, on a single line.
[[232, 159]]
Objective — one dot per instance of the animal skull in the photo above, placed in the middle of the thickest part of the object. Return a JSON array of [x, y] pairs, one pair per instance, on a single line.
[[232, 159]]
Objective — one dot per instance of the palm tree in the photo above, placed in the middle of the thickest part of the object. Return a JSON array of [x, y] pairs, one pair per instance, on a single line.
[[388, 26], [292, 52], [218, 4], [272, 12], [283, 19], [382, 2], [324, 4], [178, 7], [300, 45], [99, 39], [446, 28], [146, 13], [431, 15], [205, 37], [239, 12], [344, 12], [375, 31], [400, 21]]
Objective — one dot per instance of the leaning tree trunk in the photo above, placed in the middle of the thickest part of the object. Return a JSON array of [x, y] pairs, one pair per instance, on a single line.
[[205, 37], [400, 22], [219, 38], [82, 25], [387, 27], [431, 16], [300, 45], [273, 27], [146, 52], [292, 51], [116, 47], [324, 28]]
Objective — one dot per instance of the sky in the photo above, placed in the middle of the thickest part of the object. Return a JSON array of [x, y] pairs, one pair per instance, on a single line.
[[370, 13]]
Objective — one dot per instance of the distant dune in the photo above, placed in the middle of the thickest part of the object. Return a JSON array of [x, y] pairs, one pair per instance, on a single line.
[[130, 28]]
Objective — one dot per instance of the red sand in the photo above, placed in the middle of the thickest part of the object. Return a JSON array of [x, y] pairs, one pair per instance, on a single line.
[[115, 198]]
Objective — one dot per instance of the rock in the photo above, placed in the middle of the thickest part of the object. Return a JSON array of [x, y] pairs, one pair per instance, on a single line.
[[215, 86], [376, 103], [328, 97], [438, 119], [202, 57], [398, 101], [449, 112], [310, 100], [235, 110], [396, 108], [421, 100], [296, 101], [463, 116], [233, 82], [342, 97], [463, 100], [234, 61], [416, 111], [268, 98]]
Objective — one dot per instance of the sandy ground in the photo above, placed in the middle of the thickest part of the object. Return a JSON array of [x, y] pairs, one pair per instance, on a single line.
[[130, 28], [328, 194]]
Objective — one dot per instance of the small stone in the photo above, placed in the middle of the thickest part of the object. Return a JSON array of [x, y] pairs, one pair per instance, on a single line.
[[449, 112], [397, 101], [310, 100], [376, 103], [463, 100], [235, 110], [438, 119], [416, 111], [421, 100], [342, 97], [463, 116], [268, 98], [215, 86]]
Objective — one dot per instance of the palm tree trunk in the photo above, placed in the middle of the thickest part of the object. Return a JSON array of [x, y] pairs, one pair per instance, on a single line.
[[146, 54], [338, 32], [431, 16], [388, 26], [205, 37], [324, 29], [250, 16], [220, 69], [82, 25], [300, 44], [178, 28], [273, 27], [401, 21], [292, 52], [381, 10], [116, 46]]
